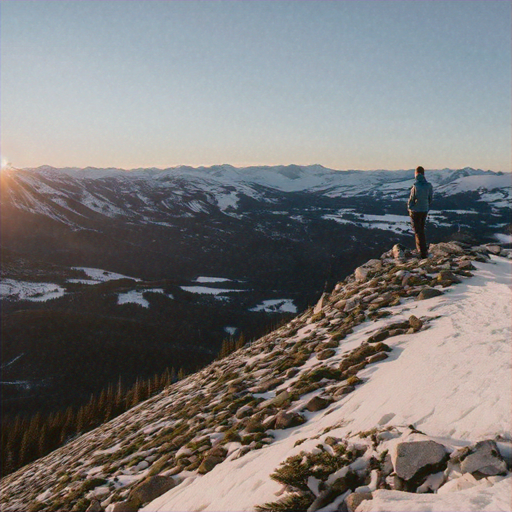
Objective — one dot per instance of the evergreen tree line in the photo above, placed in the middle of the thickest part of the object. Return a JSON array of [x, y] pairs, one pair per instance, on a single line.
[[24, 439]]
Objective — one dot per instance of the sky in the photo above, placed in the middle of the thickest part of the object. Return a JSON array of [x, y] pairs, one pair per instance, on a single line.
[[366, 84]]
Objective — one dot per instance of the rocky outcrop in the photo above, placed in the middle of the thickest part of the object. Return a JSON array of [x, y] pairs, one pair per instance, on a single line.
[[413, 460], [483, 459]]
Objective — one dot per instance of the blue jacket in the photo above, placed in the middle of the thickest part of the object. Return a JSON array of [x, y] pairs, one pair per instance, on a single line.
[[421, 195]]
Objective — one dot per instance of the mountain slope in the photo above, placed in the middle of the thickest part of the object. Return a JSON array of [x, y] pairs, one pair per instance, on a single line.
[[342, 387]]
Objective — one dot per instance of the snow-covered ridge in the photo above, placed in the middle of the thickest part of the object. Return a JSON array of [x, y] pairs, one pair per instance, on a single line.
[[161, 196], [402, 352]]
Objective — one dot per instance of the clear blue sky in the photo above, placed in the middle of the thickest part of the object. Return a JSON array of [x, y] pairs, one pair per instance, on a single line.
[[367, 84]]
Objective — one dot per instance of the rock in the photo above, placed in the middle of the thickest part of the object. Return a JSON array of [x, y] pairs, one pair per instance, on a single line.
[[398, 252], [95, 506], [317, 403], [361, 273], [446, 248], [380, 356], [326, 354], [208, 464], [466, 265], [484, 459], [130, 505], [320, 304], [493, 249], [218, 451], [355, 499], [292, 372], [344, 390], [415, 323], [268, 385], [378, 336], [447, 276], [381, 347], [415, 459], [277, 401], [352, 370], [428, 293], [152, 487], [288, 419]]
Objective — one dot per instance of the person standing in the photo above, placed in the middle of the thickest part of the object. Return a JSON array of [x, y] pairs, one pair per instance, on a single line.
[[418, 205]]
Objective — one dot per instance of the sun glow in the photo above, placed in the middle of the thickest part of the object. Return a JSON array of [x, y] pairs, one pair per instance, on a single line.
[[5, 163]]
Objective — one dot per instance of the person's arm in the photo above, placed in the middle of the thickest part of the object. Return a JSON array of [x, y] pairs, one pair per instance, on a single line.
[[430, 195], [412, 198]]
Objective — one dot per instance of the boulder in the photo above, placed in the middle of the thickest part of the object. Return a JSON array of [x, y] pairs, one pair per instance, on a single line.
[[448, 277], [415, 323], [378, 336], [277, 401], [484, 459], [208, 464], [218, 451], [446, 248], [415, 459], [129, 505], [355, 499], [493, 249], [428, 293], [152, 487], [317, 403], [466, 265], [326, 354], [379, 356], [343, 390], [288, 419]]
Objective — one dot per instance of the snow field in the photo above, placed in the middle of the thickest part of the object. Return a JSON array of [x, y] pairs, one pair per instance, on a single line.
[[452, 381]]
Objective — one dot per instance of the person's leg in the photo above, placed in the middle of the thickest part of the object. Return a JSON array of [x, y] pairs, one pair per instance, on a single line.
[[421, 242], [418, 224]]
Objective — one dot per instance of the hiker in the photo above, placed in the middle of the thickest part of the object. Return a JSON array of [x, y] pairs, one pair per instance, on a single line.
[[418, 206]]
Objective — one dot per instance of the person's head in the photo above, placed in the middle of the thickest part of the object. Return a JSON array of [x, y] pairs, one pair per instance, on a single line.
[[420, 170]]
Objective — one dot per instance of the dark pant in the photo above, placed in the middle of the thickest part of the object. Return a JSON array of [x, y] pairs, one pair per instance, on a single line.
[[418, 220]]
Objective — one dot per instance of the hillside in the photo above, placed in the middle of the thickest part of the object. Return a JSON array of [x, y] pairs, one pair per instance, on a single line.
[[399, 380]]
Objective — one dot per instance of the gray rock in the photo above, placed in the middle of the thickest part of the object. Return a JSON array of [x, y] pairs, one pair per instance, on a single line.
[[493, 249], [466, 265], [415, 323], [152, 487], [415, 458], [446, 248], [317, 403], [130, 505], [484, 459], [356, 498], [428, 293]]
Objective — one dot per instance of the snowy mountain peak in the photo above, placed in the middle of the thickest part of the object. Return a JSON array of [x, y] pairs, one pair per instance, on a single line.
[[398, 380]]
